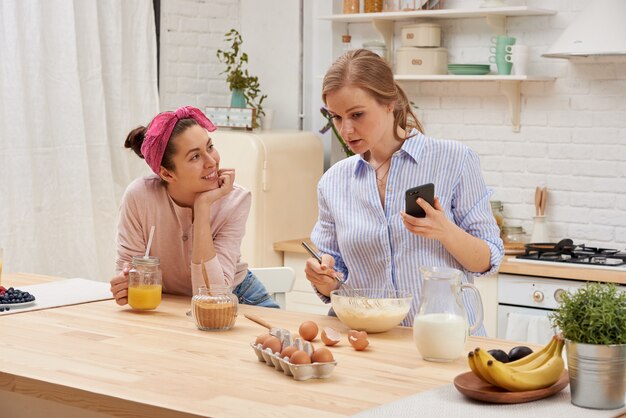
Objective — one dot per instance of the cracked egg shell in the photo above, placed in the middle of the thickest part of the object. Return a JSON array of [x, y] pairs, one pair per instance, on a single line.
[[330, 336]]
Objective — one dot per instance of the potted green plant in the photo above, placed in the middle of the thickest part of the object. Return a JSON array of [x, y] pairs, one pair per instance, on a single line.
[[245, 88], [593, 322], [331, 125]]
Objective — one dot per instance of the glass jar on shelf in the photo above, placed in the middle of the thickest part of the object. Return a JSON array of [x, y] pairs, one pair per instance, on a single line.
[[514, 235], [498, 212], [377, 47], [351, 6], [346, 43], [373, 6]]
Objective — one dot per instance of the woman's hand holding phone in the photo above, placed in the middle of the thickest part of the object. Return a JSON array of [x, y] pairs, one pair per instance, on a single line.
[[424, 214]]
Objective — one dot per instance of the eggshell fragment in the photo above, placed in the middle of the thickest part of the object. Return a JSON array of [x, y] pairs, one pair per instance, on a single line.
[[330, 336], [322, 355], [358, 340], [308, 330]]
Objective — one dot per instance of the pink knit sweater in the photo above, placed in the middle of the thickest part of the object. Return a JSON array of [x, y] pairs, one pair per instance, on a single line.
[[146, 202]]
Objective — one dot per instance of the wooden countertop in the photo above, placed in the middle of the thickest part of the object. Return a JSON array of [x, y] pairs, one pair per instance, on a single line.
[[558, 272], [106, 358]]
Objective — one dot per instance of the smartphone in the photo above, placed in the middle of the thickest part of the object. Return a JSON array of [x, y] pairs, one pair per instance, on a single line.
[[426, 192]]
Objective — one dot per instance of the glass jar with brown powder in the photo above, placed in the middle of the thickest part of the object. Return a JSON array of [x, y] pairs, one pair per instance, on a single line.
[[214, 308]]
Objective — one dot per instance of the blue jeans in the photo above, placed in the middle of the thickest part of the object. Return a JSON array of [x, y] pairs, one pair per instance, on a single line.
[[252, 292]]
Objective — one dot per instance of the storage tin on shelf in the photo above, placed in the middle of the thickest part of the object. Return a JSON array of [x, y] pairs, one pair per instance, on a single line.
[[421, 61], [423, 34]]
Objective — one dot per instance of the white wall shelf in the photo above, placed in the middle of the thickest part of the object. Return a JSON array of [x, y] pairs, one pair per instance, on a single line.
[[384, 22], [509, 85], [488, 77], [496, 16]]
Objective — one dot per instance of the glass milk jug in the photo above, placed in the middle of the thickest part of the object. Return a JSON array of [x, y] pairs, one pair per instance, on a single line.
[[440, 328]]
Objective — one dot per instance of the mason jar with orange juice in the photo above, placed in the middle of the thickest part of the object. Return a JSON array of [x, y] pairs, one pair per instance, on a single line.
[[144, 283]]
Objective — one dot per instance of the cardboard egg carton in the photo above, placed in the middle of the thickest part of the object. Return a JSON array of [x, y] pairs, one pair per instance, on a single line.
[[297, 371]]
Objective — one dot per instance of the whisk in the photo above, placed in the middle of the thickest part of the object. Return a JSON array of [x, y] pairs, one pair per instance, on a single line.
[[350, 291], [336, 276]]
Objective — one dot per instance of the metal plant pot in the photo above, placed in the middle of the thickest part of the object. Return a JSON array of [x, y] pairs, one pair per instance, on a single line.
[[597, 375]]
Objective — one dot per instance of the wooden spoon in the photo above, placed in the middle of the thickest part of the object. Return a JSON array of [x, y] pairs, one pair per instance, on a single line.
[[272, 330], [537, 201], [544, 199], [205, 276]]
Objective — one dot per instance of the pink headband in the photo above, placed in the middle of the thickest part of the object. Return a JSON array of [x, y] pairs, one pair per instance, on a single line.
[[160, 130]]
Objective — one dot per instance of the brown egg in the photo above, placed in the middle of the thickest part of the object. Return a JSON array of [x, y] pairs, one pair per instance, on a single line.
[[358, 340], [308, 330], [322, 355], [273, 344], [330, 336], [300, 357], [261, 338], [288, 351]]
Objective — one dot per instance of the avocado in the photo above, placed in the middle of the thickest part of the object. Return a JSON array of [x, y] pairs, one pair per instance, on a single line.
[[519, 352], [499, 355]]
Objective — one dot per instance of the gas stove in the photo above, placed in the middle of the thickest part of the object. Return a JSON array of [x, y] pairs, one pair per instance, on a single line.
[[565, 252]]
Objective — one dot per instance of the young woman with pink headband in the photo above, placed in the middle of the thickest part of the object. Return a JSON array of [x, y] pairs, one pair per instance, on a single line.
[[199, 212]]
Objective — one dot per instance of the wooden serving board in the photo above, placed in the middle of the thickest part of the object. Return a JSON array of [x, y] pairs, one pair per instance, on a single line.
[[471, 386]]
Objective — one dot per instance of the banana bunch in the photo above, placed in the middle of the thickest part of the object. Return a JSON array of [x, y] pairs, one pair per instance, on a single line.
[[538, 370]]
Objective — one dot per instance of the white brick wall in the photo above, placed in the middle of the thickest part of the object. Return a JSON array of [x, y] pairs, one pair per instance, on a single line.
[[191, 33], [573, 135]]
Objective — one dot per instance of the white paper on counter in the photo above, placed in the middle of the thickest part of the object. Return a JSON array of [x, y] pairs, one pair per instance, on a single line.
[[62, 293], [447, 402]]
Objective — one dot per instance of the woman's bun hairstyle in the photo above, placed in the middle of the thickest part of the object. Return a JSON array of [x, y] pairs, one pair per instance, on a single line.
[[135, 139]]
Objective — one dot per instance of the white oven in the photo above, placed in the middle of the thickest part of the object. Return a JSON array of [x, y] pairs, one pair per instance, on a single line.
[[524, 303]]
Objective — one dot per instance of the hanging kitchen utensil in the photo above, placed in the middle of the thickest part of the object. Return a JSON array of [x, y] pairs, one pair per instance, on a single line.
[[544, 199], [537, 201]]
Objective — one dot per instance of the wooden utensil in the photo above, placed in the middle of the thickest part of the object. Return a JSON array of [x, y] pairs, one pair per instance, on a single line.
[[272, 330], [471, 386], [537, 200], [544, 199], [205, 276]]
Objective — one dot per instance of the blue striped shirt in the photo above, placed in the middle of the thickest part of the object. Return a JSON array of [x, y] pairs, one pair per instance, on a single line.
[[370, 244]]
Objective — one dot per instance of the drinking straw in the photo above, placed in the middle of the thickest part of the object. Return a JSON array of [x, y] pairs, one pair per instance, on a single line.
[[149, 241]]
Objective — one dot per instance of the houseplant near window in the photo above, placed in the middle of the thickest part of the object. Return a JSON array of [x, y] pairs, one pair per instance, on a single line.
[[593, 322], [245, 88]]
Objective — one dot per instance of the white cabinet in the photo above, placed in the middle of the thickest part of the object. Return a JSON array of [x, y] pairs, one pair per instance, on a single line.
[[384, 24]]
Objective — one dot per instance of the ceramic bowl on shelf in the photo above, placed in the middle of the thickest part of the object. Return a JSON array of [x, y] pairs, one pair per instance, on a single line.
[[371, 310]]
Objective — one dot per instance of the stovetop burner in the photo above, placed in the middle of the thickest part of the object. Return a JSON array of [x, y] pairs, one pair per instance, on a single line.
[[566, 251]]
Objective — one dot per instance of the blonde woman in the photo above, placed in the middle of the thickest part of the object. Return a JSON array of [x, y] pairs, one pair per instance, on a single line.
[[362, 229]]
